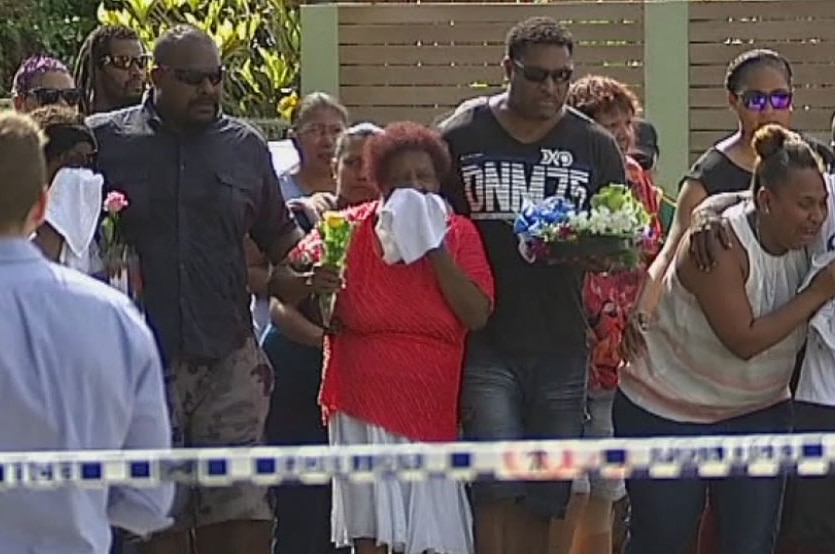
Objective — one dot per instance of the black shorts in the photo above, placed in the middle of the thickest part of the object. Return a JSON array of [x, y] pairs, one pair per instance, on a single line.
[[809, 506]]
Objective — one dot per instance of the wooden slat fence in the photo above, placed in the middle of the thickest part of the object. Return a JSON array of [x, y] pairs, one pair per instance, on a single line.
[[801, 30], [413, 60], [418, 62]]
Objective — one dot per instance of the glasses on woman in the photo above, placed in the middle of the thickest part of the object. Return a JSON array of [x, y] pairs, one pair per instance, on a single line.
[[48, 96], [318, 130], [758, 101]]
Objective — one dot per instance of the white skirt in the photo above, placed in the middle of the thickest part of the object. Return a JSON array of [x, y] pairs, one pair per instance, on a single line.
[[411, 517]]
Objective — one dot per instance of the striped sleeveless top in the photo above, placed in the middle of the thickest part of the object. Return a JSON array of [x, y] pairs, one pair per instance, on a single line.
[[688, 374]]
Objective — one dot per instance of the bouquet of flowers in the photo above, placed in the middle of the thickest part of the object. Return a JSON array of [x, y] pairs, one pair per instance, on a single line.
[[120, 262], [335, 231], [555, 231]]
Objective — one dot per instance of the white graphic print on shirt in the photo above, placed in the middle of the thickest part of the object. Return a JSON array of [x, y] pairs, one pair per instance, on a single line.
[[496, 187]]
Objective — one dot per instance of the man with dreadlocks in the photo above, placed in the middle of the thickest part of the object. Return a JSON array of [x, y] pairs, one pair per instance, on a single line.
[[111, 69]]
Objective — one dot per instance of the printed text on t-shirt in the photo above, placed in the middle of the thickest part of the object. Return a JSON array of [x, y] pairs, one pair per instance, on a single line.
[[496, 188]]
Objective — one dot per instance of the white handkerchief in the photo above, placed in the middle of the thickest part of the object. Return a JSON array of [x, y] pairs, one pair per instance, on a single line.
[[75, 203], [410, 224]]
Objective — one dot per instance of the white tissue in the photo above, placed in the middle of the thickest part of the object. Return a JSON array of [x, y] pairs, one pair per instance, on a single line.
[[410, 224], [75, 203]]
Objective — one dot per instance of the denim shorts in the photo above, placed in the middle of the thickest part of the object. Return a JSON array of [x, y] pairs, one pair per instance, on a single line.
[[598, 425], [524, 397]]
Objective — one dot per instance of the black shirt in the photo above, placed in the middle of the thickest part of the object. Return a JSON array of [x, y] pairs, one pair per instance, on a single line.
[[539, 309], [193, 198], [717, 173]]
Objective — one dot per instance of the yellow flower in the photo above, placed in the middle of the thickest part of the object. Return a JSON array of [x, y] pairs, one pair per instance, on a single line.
[[334, 220], [287, 105]]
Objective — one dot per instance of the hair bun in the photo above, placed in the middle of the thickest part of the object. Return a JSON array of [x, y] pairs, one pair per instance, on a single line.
[[770, 139]]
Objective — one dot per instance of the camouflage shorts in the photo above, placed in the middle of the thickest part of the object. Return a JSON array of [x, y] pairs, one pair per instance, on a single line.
[[221, 403]]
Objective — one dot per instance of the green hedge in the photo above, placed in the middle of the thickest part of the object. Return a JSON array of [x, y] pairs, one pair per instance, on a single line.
[[259, 41], [31, 26]]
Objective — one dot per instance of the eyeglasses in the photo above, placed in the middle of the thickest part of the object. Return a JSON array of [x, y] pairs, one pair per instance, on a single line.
[[318, 130], [758, 101], [196, 77], [540, 75], [47, 96], [126, 62]]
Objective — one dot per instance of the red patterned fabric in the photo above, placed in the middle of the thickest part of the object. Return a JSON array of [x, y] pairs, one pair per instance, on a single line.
[[609, 298], [397, 360]]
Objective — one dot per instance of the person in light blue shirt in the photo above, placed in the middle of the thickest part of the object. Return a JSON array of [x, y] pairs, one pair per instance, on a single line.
[[79, 370]]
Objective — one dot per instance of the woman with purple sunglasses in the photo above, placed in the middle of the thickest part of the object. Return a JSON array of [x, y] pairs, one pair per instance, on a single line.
[[759, 87]]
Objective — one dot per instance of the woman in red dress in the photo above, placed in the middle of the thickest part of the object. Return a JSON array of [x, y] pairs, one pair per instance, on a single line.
[[392, 371]]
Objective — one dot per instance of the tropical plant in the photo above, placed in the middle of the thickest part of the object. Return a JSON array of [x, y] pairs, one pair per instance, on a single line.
[[54, 27], [259, 41]]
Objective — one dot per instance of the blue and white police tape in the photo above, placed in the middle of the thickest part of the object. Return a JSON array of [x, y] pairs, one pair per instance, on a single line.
[[656, 458]]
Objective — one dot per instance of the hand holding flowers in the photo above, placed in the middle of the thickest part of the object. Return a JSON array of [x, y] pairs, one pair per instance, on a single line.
[[336, 231], [118, 258], [604, 238], [112, 245]]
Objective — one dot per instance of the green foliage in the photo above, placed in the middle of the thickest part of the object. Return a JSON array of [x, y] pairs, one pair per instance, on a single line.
[[259, 42], [54, 27]]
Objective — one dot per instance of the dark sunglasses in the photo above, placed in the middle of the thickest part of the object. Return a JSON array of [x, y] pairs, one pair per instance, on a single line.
[[758, 101], [539, 75], [47, 96], [196, 77], [126, 62]]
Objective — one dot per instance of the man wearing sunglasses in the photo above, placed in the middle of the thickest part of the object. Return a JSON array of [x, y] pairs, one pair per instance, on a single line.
[[198, 182], [43, 81], [525, 373], [111, 69]]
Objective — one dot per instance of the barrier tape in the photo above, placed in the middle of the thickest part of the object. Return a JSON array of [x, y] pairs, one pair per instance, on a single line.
[[656, 458]]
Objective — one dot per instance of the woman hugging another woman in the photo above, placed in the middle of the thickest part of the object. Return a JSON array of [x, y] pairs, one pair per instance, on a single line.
[[721, 348]]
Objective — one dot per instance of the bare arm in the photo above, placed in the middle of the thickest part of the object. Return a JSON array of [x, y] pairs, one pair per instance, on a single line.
[[288, 285], [718, 203], [465, 298], [722, 297], [258, 271], [49, 241], [294, 325], [691, 195]]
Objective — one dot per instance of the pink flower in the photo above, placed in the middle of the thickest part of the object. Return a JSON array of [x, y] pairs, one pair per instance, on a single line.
[[115, 202]]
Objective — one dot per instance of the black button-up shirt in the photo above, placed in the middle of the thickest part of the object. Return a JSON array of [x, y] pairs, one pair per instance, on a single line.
[[193, 198]]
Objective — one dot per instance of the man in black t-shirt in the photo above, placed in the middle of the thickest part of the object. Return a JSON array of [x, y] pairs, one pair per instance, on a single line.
[[525, 373]]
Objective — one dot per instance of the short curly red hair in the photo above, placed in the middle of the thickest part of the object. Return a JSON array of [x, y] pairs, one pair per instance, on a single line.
[[404, 136], [593, 95]]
